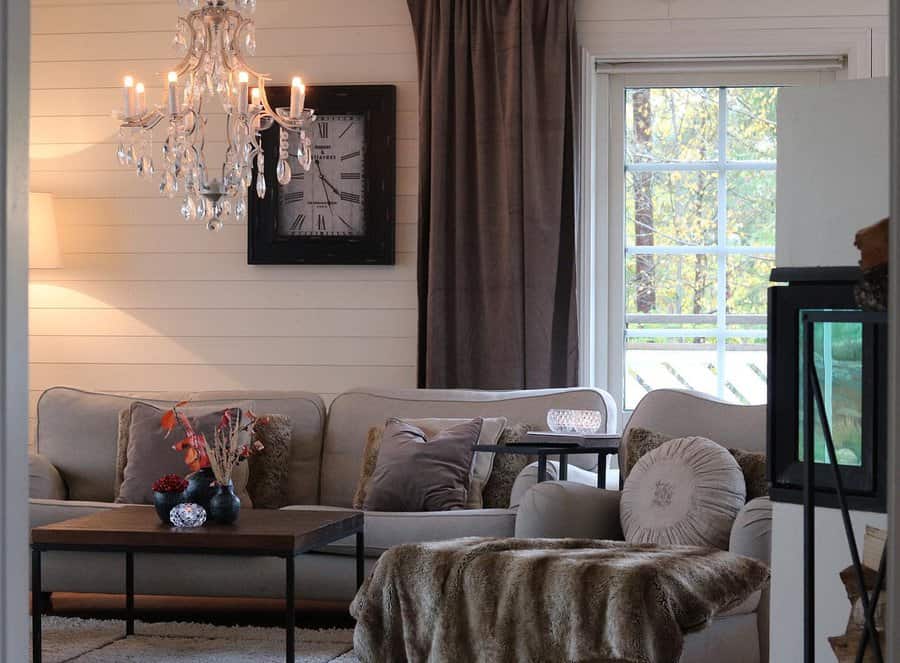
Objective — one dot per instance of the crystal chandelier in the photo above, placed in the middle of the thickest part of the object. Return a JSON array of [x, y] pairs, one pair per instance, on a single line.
[[215, 38]]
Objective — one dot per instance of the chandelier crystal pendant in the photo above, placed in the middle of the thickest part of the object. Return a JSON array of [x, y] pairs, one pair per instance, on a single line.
[[215, 39]]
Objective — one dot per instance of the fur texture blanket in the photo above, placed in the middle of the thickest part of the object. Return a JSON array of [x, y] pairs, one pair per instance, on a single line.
[[544, 600]]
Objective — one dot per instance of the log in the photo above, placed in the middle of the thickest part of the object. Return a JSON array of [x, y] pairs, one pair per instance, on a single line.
[[872, 243]]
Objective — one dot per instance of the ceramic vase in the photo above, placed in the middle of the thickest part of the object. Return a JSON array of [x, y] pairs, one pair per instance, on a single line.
[[200, 488], [164, 502], [224, 505]]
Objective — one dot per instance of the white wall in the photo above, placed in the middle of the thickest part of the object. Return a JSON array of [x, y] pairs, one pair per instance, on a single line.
[[833, 170], [148, 302], [833, 165]]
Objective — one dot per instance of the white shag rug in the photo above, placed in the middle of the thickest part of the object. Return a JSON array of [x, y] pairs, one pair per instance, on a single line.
[[98, 641]]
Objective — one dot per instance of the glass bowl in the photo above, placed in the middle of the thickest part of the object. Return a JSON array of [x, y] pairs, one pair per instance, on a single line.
[[583, 422]]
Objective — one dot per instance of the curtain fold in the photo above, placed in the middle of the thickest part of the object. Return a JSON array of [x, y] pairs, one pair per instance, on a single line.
[[497, 95]]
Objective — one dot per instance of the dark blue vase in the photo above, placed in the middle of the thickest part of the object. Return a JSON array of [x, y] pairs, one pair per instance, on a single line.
[[200, 487], [224, 506], [164, 502]]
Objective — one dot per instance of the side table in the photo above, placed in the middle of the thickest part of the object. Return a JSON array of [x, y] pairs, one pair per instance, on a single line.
[[543, 445]]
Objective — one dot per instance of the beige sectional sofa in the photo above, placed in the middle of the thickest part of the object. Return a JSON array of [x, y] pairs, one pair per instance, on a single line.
[[72, 474]]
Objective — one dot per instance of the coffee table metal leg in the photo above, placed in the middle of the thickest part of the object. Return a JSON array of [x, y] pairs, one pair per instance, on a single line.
[[129, 593], [360, 559], [289, 609], [542, 468], [37, 605]]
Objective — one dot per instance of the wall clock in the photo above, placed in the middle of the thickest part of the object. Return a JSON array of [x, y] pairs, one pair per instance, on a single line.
[[341, 211]]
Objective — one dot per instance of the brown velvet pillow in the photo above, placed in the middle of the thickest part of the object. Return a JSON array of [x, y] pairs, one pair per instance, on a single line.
[[506, 468], [752, 463], [149, 453], [267, 484], [415, 473]]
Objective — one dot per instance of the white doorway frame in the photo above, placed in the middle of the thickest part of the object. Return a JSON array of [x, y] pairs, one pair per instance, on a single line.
[[14, 124]]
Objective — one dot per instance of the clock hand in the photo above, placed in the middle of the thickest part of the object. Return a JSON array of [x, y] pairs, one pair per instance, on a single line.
[[327, 197], [325, 179]]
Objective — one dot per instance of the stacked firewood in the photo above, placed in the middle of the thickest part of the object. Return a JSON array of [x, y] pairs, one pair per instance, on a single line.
[[872, 242], [845, 646]]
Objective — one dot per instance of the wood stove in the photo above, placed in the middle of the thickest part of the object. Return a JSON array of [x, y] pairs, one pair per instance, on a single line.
[[812, 312]]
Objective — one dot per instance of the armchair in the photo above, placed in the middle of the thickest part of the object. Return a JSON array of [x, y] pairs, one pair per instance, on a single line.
[[559, 509]]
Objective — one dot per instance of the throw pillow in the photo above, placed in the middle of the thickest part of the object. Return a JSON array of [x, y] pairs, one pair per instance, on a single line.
[[370, 458], [482, 462], [269, 469], [149, 453], [506, 468], [417, 473], [122, 447], [685, 492], [752, 463]]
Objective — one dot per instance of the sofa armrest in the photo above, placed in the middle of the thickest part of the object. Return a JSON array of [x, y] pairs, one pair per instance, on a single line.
[[751, 534], [44, 480], [528, 478], [564, 509]]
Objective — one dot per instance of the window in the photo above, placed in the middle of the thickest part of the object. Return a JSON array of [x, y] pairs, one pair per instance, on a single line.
[[700, 239], [688, 230]]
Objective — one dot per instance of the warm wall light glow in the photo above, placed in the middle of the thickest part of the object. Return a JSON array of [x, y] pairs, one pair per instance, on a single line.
[[43, 237]]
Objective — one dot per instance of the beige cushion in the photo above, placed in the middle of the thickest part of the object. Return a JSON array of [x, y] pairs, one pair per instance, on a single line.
[[150, 454], [352, 414], [418, 472], [685, 492], [77, 430], [482, 461], [386, 529]]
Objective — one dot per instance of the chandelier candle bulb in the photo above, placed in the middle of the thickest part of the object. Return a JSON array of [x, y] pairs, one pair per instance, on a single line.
[[129, 97], [243, 82], [298, 94], [173, 93], [141, 93], [254, 96]]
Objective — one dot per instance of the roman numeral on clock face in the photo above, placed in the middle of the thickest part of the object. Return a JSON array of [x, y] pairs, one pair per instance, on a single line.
[[298, 223], [350, 197], [320, 224], [352, 155], [323, 130], [350, 176], [298, 176], [293, 197]]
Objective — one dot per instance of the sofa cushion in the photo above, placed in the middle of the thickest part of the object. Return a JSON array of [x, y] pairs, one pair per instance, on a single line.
[[385, 529], [353, 413], [150, 454], [482, 461], [752, 463], [269, 469], [685, 492], [418, 472], [77, 430], [47, 512]]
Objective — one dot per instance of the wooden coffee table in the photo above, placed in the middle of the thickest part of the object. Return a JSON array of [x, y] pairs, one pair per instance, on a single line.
[[136, 529]]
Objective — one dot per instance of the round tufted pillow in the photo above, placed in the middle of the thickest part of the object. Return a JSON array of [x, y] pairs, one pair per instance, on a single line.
[[685, 492]]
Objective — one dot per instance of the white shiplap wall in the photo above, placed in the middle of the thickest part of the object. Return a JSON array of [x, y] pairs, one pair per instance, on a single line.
[[146, 302]]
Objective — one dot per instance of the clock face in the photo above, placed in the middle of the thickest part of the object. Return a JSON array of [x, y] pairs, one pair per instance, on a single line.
[[329, 200]]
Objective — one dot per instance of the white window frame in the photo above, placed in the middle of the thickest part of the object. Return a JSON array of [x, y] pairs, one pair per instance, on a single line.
[[602, 254]]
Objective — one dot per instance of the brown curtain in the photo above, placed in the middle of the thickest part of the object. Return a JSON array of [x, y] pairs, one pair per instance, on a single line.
[[497, 193]]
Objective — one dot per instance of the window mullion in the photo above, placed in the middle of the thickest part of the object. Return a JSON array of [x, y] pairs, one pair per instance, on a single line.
[[722, 241]]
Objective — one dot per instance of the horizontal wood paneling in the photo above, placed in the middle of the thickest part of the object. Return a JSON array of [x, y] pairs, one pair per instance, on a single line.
[[148, 302], [145, 302]]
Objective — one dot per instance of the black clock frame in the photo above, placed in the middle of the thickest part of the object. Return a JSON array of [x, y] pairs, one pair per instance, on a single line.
[[265, 246]]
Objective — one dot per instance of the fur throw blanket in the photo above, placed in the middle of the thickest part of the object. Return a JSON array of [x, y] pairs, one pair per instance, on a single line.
[[482, 600]]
